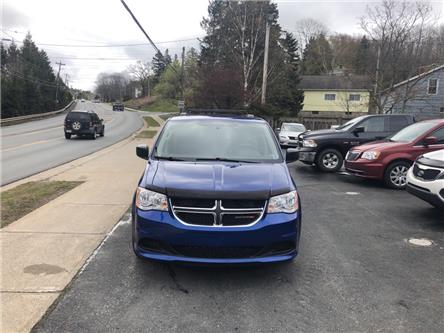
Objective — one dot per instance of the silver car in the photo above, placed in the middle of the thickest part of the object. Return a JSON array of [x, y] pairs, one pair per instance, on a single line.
[[288, 133]]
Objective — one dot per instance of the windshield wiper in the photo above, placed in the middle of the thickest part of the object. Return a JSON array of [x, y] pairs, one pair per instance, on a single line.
[[221, 159], [169, 158]]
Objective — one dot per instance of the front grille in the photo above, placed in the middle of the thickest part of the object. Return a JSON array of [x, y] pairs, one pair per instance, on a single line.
[[425, 174], [352, 155], [220, 213], [292, 137]]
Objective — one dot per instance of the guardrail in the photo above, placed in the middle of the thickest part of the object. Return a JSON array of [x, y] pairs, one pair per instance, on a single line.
[[19, 119]]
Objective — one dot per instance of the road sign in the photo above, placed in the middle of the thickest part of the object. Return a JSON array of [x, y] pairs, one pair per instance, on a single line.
[[181, 104]]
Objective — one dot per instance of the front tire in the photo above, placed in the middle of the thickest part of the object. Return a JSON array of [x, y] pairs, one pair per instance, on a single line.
[[102, 134], [395, 176], [67, 136], [94, 135], [329, 160]]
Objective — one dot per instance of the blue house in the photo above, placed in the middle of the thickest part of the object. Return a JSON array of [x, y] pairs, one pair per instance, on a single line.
[[421, 95]]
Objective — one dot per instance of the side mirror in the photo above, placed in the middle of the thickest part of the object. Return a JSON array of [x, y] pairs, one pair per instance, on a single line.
[[101, 119], [142, 151], [358, 130], [292, 155], [430, 140], [278, 129]]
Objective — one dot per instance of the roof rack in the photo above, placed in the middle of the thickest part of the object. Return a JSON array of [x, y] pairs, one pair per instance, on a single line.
[[217, 112]]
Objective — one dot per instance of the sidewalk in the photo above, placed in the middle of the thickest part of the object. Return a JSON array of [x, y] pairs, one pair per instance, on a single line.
[[44, 250]]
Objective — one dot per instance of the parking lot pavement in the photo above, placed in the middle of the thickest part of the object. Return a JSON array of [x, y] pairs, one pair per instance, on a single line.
[[356, 271]]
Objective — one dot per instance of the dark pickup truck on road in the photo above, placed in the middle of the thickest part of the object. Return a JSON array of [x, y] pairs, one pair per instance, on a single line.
[[327, 148]]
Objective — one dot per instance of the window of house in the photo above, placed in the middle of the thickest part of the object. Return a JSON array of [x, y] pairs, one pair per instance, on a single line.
[[354, 97], [441, 109], [433, 87], [330, 97]]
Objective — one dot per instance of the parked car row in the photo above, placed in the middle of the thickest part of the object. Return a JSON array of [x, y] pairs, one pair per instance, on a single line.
[[383, 147]]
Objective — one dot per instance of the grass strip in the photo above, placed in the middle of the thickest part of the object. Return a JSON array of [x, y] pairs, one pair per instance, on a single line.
[[146, 134], [25, 198], [151, 122], [167, 116]]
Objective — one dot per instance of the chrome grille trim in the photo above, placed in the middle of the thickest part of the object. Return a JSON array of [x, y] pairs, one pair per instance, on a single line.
[[218, 214]]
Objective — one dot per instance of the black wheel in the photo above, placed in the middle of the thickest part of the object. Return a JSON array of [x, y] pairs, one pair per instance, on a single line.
[[94, 135], [103, 131], [329, 160], [67, 136], [395, 176]]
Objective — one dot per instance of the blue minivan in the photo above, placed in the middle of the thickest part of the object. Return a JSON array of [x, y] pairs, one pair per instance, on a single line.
[[216, 190]]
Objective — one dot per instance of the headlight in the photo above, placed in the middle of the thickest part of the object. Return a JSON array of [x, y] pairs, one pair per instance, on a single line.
[[284, 203], [309, 143], [149, 200], [283, 137], [371, 155]]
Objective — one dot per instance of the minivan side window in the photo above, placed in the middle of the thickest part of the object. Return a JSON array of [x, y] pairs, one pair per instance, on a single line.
[[439, 134], [373, 124], [397, 123]]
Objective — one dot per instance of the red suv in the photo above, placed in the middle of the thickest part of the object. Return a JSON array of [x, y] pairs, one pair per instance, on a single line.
[[390, 159]]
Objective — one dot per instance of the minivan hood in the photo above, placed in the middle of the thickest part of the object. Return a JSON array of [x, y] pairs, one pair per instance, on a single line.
[[217, 180], [289, 133], [381, 145]]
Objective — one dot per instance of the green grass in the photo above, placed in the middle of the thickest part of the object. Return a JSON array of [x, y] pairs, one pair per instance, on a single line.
[[151, 122], [165, 106], [167, 116], [25, 198], [146, 134]]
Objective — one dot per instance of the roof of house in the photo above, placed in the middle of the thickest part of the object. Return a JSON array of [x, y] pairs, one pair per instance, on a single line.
[[335, 82], [414, 78]]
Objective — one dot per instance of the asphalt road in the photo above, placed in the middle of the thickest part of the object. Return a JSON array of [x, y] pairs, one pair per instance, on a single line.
[[355, 273], [39, 145]]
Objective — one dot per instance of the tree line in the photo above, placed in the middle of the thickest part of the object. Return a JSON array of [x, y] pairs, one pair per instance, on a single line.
[[399, 40], [28, 82]]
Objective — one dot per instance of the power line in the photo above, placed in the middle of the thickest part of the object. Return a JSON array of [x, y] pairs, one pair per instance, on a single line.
[[146, 35]]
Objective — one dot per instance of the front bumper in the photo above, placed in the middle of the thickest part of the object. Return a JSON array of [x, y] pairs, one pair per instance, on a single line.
[[429, 191], [365, 168], [159, 236], [307, 155]]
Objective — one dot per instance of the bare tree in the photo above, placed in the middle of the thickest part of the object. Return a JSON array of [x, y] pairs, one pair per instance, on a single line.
[[398, 31], [309, 28], [142, 72]]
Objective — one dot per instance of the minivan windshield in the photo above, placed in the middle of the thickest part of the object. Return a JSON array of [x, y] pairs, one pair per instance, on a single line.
[[349, 123], [293, 127], [217, 139], [410, 133]]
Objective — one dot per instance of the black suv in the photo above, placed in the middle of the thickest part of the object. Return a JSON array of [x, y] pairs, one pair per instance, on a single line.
[[327, 148], [118, 106], [79, 123]]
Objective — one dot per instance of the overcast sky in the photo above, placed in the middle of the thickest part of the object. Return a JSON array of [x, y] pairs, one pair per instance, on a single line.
[[83, 23]]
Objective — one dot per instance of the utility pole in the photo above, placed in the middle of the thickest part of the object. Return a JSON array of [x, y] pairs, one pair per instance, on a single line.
[[57, 84], [265, 70]]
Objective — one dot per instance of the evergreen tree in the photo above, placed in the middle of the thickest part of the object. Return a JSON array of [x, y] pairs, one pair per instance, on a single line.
[[317, 56], [159, 65], [363, 57]]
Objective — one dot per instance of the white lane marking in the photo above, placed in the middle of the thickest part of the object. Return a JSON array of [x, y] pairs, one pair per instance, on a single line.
[[352, 193], [420, 241]]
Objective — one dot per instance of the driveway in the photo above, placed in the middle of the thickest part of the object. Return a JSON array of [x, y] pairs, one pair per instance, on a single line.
[[356, 271]]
